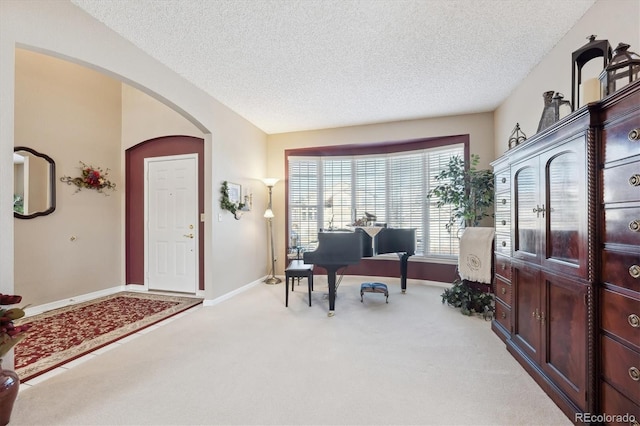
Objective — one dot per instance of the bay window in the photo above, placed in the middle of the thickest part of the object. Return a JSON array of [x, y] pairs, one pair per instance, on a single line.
[[330, 189]]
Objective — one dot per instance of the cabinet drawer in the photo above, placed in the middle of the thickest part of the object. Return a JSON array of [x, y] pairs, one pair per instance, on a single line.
[[502, 291], [618, 139], [621, 368], [503, 243], [622, 225], [503, 223], [622, 183], [503, 183], [621, 269], [503, 315], [503, 204], [503, 267], [614, 403], [621, 316]]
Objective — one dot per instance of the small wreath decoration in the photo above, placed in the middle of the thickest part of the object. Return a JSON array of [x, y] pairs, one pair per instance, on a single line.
[[227, 204]]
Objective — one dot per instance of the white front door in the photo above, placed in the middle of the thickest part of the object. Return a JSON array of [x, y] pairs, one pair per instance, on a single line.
[[171, 234]]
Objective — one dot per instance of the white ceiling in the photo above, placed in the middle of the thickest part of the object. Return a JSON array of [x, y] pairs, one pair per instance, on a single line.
[[290, 65]]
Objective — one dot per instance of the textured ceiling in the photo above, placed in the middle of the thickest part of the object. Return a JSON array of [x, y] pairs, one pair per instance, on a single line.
[[289, 65]]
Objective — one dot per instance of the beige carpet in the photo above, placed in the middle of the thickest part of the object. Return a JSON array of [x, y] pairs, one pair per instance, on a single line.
[[250, 360]]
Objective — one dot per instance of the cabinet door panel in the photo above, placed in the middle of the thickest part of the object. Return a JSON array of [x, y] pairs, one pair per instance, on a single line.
[[565, 233], [526, 307], [564, 207], [526, 205], [565, 336]]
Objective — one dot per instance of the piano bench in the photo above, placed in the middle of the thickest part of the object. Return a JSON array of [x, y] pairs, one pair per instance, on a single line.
[[374, 288], [297, 269]]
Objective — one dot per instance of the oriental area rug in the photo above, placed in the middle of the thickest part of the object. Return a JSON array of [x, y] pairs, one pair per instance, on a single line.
[[62, 335]]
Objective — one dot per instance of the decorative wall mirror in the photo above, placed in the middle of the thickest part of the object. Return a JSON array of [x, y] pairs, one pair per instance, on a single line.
[[34, 190]]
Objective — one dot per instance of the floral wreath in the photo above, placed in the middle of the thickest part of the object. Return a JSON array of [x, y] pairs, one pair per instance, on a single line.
[[92, 178]]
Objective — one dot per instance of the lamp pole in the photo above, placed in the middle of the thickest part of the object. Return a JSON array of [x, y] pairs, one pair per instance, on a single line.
[[268, 214]]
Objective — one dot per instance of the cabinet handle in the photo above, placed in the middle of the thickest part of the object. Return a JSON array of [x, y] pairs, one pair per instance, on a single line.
[[503, 290], [634, 180], [504, 315], [504, 201], [634, 271], [504, 244], [504, 180], [504, 222], [634, 225], [634, 321], [542, 317], [537, 210], [634, 135], [634, 373], [504, 266]]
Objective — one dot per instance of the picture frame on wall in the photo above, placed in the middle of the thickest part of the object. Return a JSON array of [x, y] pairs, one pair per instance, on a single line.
[[235, 192]]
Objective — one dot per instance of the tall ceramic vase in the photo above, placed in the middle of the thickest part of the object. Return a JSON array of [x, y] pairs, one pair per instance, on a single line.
[[9, 385]]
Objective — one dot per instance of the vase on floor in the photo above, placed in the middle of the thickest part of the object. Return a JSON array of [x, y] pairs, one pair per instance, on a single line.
[[9, 385]]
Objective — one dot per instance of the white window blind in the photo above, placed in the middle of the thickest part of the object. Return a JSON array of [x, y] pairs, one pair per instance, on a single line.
[[334, 191]]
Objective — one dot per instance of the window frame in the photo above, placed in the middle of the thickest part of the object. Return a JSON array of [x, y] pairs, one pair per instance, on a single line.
[[364, 149]]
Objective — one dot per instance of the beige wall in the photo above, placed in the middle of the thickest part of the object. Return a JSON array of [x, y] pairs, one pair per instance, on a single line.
[[144, 118], [613, 20], [71, 114], [479, 127], [235, 150]]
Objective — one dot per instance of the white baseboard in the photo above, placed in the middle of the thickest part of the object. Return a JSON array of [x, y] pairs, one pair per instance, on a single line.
[[211, 302], [35, 310]]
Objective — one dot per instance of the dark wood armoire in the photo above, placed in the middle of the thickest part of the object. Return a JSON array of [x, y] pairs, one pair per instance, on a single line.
[[567, 258]]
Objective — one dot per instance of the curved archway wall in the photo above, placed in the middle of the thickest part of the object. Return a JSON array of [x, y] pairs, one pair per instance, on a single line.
[[52, 28], [134, 210]]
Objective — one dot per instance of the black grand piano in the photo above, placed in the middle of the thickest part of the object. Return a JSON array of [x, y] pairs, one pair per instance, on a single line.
[[338, 249]]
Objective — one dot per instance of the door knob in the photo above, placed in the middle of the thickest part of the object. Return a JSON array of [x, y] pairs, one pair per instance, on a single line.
[[188, 235]]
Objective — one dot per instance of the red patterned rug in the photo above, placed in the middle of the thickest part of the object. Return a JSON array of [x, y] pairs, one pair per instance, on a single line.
[[62, 335]]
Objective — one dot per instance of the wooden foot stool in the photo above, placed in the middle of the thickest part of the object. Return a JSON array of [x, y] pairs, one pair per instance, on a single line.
[[374, 288], [297, 269]]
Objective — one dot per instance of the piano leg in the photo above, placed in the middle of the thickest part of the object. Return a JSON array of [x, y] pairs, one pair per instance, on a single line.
[[331, 278], [404, 260]]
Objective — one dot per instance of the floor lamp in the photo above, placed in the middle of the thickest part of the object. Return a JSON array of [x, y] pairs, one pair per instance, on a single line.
[[268, 214]]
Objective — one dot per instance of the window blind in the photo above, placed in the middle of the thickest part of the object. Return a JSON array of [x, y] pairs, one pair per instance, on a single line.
[[332, 192]]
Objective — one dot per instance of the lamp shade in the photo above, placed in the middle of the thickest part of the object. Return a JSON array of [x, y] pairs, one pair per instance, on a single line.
[[270, 181], [268, 214]]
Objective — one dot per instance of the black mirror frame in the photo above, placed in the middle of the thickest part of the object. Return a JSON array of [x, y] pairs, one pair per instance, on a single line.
[[52, 183]]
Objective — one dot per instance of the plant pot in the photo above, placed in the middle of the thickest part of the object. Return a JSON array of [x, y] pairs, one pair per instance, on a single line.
[[9, 386]]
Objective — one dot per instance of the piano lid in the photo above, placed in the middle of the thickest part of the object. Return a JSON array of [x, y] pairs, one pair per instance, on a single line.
[[336, 248], [396, 240]]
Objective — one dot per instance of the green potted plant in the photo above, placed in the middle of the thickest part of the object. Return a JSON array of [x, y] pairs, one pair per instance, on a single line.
[[469, 193]]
